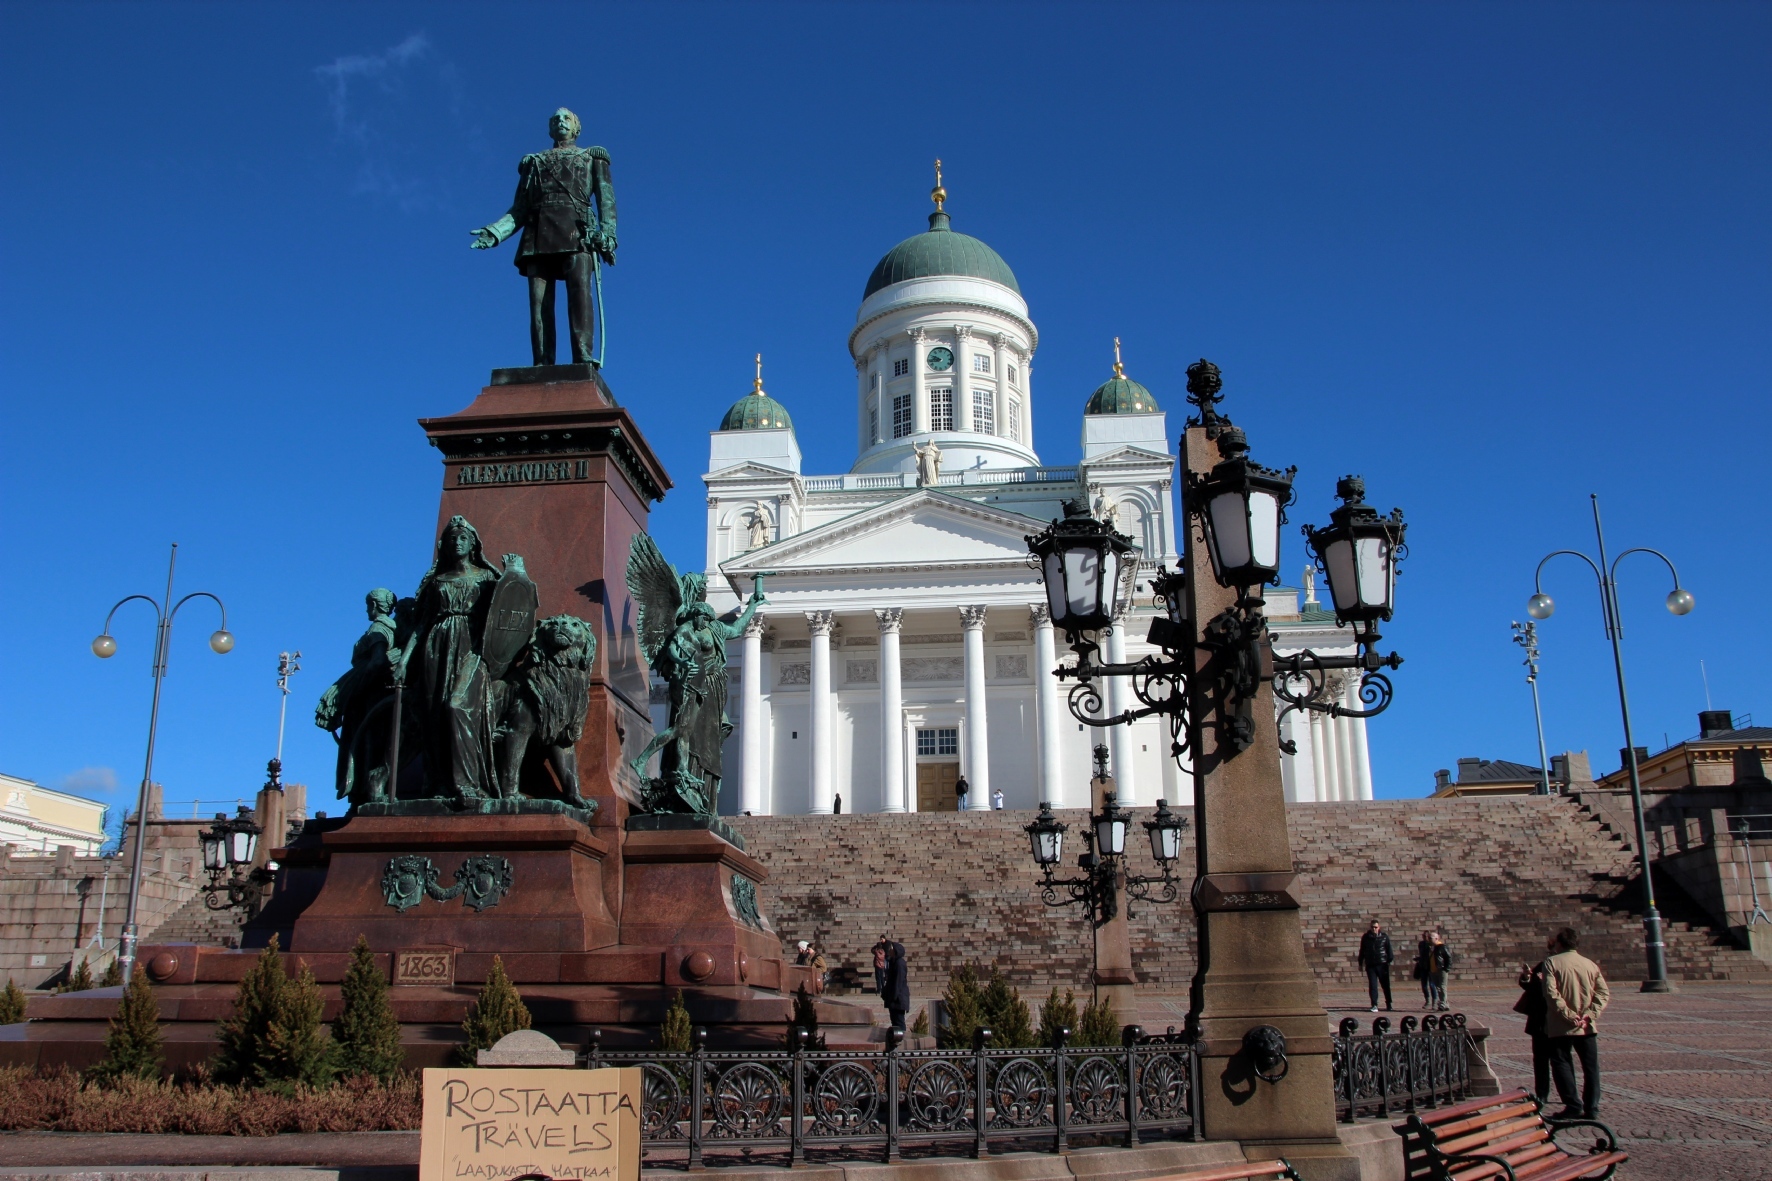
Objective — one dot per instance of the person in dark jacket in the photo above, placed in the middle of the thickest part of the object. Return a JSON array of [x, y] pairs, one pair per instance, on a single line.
[[1376, 956], [897, 991], [1424, 956], [1439, 963], [1533, 1005]]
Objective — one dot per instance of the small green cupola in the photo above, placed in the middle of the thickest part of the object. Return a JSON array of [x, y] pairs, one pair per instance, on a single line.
[[757, 411], [1119, 394]]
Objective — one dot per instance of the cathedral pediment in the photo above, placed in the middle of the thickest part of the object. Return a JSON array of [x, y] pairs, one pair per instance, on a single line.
[[922, 529], [1129, 456], [750, 471]]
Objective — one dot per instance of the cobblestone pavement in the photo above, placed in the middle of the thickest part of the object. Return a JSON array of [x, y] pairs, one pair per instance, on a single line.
[[1686, 1077]]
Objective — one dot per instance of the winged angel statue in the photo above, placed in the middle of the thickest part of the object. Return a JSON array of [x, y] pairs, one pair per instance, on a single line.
[[684, 642]]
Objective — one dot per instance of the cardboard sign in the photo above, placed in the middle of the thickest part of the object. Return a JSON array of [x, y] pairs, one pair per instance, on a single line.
[[425, 965], [497, 1125]]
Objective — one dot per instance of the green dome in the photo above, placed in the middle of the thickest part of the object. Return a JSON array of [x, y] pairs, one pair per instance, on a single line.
[[1121, 395], [757, 412], [940, 251]]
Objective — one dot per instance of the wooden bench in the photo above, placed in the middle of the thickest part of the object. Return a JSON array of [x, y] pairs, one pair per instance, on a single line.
[[1254, 1170], [1503, 1136]]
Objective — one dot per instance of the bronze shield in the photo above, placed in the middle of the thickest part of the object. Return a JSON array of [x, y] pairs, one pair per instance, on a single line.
[[510, 620]]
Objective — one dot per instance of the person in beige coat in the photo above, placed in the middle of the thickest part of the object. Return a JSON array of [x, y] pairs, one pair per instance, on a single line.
[[1575, 994]]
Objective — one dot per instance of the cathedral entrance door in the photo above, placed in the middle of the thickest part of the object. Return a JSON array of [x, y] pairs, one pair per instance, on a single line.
[[935, 787]]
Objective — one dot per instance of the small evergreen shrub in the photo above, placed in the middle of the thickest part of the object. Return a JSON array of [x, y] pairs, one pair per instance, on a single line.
[[1057, 1014], [1098, 1025], [675, 1035], [498, 1011], [367, 1033], [79, 979], [920, 1027], [132, 1047], [12, 1003], [113, 974], [1005, 1014], [960, 998], [274, 1037]]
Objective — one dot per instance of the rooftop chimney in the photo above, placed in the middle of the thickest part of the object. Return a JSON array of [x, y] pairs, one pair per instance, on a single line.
[[1712, 722], [1442, 779], [1467, 769]]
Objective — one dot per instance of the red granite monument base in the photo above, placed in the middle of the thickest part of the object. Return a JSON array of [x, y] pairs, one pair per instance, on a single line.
[[604, 920]]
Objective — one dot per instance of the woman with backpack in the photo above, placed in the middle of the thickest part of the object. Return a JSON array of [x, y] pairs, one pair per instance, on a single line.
[[1424, 954]]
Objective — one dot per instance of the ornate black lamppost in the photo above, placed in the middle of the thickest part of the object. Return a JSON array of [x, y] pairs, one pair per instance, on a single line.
[[1104, 862], [104, 647], [1221, 687], [1680, 602], [229, 847]]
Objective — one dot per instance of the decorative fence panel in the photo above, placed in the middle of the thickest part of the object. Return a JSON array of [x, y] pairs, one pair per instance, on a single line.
[[1381, 1072], [875, 1105]]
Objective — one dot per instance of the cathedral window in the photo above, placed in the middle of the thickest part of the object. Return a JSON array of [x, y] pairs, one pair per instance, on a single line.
[[873, 420], [984, 412], [901, 367], [938, 742], [1014, 377], [941, 409], [902, 420], [981, 362], [1015, 419]]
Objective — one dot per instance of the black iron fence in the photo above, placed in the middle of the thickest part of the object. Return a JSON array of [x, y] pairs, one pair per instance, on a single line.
[[704, 1105], [881, 1104], [1383, 1072]]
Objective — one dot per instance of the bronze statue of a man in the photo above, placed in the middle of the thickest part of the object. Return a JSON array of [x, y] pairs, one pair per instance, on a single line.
[[565, 206]]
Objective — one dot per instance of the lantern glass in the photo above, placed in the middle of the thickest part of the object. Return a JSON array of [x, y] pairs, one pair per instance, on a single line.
[[213, 857], [1046, 837], [1052, 572], [1230, 531], [1083, 579], [1110, 831], [240, 845], [1165, 841]]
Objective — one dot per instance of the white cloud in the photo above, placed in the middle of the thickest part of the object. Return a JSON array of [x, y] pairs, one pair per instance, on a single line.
[[388, 107], [90, 781]]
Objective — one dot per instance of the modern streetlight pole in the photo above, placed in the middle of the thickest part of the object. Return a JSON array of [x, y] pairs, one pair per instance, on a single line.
[[1680, 602], [104, 647], [1526, 636]]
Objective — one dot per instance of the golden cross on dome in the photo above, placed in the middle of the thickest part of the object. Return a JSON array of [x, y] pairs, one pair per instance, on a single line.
[[938, 194], [1119, 369], [758, 387]]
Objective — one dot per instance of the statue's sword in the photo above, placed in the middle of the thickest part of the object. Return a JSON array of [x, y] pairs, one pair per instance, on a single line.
[[602, 320]]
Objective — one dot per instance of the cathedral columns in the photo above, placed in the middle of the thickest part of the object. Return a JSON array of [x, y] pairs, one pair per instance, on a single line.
[[919, 383], [750, 790], [1360, 763], [1052, 787], [892, 782], [1120, 738], [978, 752], [1000, 376], [819, 622]]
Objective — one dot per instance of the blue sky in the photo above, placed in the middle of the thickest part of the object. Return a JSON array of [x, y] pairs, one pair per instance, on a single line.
[[1492, 256]]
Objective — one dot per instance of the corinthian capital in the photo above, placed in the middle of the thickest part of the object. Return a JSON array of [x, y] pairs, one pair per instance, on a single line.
[[972, 618], [891, 619], [821, 622], [1040, 615], [757, 626]]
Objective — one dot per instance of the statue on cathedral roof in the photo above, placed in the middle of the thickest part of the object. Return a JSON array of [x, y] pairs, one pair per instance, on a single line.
[[684, 642]]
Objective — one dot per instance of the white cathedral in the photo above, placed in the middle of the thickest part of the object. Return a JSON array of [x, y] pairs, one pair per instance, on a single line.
[[905, 649]]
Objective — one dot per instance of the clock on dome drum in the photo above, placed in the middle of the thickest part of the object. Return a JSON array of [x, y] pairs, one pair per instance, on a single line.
[[941, 359]]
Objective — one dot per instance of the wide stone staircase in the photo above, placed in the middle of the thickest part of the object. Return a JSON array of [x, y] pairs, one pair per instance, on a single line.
[[1495, 875], [194, 922]]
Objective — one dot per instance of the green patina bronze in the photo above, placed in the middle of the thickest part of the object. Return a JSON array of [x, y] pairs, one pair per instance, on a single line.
[[744, 901], [940, 251], [491, 702], [684, 642], [565, 206], [481, 881]]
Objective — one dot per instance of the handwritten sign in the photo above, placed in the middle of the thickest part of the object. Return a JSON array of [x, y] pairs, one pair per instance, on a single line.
[[425, 965], [566, 1125]]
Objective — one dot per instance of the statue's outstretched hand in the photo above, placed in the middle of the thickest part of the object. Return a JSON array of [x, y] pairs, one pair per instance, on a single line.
[[484, 238]]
